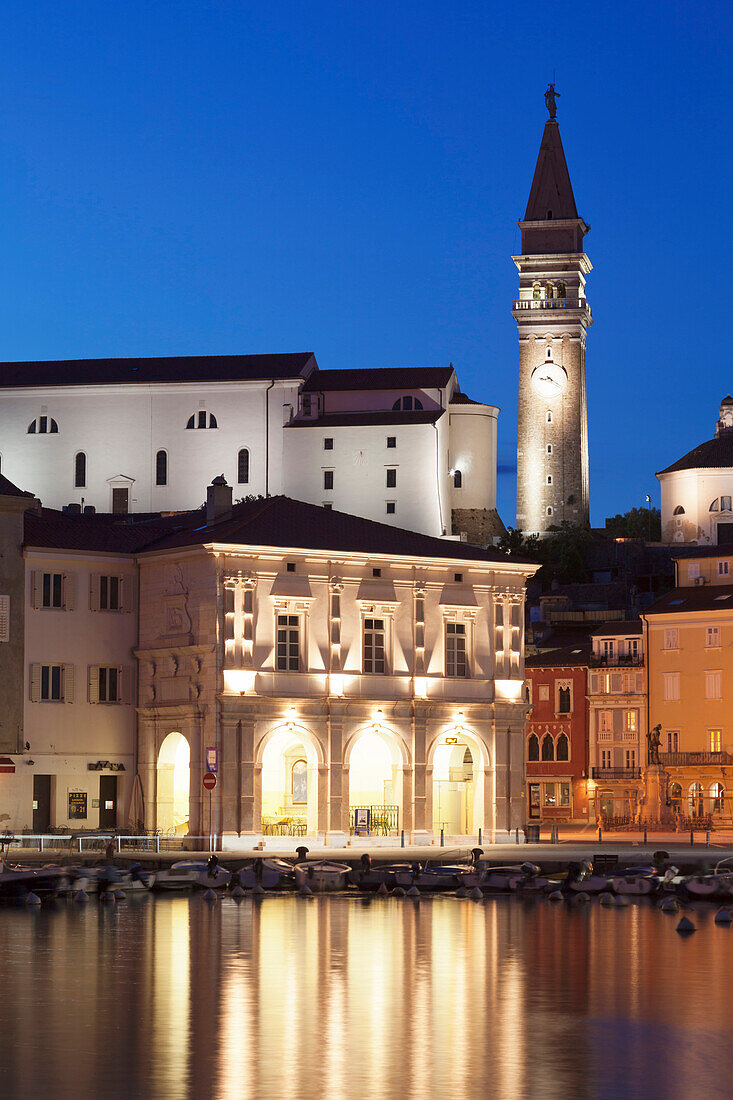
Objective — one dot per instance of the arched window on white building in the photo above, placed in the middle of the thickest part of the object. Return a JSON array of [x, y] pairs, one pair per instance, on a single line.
[[202, 419], [407, 404], [80, 470]]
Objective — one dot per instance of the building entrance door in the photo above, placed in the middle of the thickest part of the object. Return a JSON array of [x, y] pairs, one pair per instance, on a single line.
[[41, 803], [121, 501], [107, 801], [534, 801]]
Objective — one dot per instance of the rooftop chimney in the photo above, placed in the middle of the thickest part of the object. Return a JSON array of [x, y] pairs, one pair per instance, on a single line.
[[218, 500]]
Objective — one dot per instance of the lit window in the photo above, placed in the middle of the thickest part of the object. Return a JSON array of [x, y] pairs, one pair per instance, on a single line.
[[550, 794], [202, 419], [407, 404], [631, 721], [243, 466], [715, 740], [288, 643], [43, 425], [374, 646], [456, 663], [161, 468]]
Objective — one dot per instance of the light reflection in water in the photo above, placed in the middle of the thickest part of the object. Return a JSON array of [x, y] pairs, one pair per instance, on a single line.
[[352, 997]]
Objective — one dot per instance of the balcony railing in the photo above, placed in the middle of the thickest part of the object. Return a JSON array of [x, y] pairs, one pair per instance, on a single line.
[[616, 773], [622, 660], [681, 759], [551, 303]]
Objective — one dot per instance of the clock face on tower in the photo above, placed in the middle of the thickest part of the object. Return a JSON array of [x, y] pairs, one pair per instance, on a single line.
[[549, 380]]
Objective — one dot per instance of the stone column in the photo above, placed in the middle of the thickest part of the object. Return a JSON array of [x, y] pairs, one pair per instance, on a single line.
[[229, 769], [250, 815], [422, 785], [322, 799], [408, 809], [338, 785], [146, 765]]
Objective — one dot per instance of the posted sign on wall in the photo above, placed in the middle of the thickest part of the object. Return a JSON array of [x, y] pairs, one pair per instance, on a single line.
[[77, 804]]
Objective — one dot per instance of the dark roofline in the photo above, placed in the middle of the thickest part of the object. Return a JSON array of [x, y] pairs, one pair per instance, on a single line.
[[379, 378], [348, 419], [628, 626], [681, 601], [183, 368], [8, 489]]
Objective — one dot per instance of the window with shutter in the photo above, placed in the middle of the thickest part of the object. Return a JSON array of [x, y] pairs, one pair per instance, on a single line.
[[4, 618], [68, 683], [93, 684]]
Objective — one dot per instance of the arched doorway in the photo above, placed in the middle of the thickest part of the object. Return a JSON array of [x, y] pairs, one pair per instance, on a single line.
[[174, 785], [375, 783], [289, 783], [453, 789], [460, 763]]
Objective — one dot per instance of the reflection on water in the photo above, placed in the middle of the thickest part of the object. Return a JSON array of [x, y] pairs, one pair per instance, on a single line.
[[348, 997]]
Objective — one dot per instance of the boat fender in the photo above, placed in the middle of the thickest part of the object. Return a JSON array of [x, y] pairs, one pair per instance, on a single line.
[[32, 899], [398, 892], [724, 915], [305, 891], [382, 889], [669, 905], [107, 896], [605, 898], [685, 926], [556, 895], [461, 892], [476, 854], [258, 889], [238, 892], [413, 892], [80, 896], [209, 895], [581, 897], [621, 901], [120, 895], [476, 894]]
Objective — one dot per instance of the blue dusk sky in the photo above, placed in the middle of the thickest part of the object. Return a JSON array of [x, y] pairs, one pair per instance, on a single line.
[[199, 177]]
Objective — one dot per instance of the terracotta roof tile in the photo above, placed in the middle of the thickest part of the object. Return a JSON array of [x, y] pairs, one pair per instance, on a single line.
[[181, 368]]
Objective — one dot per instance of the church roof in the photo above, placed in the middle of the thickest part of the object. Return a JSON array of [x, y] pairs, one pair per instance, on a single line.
[[459, 398], [727, 400], [359, 419], [7, 489], [551, 187], [380, 378], [714, 454], [180, 368]]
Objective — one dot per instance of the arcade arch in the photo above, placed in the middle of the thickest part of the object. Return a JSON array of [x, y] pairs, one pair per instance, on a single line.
[[375, 758], [173, 788], [289, 755], [459, 762]]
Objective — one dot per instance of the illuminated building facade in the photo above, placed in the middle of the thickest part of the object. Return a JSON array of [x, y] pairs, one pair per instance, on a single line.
[[556, 744], [321, 664], [552, 315], [697, 490], [689, 644]]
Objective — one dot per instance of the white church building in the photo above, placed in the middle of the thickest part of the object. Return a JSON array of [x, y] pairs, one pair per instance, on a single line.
[[402, 446]]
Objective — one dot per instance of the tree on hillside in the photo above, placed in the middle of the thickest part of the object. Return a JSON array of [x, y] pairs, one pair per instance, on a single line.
[[637, 523], [562, 552]]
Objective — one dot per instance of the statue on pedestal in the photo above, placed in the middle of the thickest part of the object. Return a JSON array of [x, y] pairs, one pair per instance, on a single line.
[[655, 808], [653, 741], [550, 96]]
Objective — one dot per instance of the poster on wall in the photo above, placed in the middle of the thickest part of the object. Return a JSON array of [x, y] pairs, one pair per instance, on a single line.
[[77, 805], [212, 760], [362, 820]]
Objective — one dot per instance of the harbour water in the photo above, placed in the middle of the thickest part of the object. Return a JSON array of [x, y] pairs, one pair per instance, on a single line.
[[351, 997]]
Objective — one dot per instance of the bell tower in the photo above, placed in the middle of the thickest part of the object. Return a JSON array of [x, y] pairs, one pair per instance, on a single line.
[[552, 315]]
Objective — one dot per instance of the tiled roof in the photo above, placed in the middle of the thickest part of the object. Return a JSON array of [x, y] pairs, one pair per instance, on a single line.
[[355, 419], [276, 522], [459, 398], [7, 489], [714, 454], [707, 597], [681, 552], [184, 368], [630, 626], [572, 656], [380, 378]]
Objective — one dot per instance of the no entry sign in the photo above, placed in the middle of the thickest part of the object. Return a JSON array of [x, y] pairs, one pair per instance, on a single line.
[[209, 781]]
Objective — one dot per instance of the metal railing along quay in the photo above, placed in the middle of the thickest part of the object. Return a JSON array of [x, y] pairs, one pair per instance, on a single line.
[[97, 842]]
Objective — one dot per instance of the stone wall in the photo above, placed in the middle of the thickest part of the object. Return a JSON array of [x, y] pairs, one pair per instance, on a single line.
[[480, 525]]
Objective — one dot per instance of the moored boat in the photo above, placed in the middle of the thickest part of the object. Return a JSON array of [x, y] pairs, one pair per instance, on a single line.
[[322, 874]]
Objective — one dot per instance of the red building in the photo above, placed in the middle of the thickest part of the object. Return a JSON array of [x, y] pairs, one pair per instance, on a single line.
[[556, 746]]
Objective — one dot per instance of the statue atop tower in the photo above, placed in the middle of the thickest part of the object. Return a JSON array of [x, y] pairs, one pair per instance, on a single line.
[[552, 315]]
